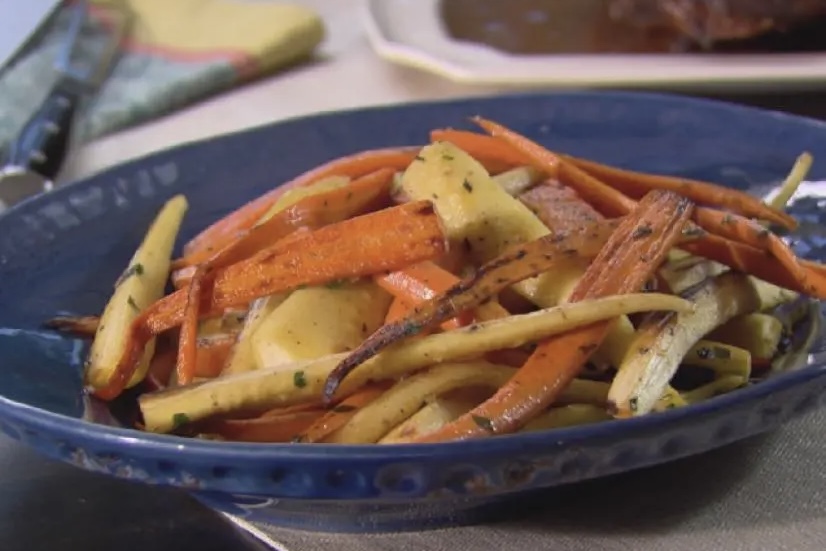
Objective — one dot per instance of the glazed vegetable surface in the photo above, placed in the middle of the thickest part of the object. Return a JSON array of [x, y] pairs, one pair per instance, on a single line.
[[478, 285]]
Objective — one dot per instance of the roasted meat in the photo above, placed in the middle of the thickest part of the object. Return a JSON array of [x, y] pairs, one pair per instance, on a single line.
[[710, 21]]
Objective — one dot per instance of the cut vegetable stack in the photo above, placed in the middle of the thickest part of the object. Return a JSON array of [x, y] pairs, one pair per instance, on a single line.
[[478, 285]]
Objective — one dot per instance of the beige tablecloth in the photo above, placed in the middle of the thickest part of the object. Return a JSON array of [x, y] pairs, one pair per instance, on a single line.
[[766, 494]]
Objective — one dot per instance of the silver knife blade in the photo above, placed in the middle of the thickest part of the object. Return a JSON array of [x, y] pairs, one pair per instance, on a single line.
[[17, 185]]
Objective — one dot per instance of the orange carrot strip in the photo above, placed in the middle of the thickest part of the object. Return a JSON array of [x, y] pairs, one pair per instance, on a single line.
[[559, 207], [748, 232], [628, 259], [369, 192], [399, 308], [245, 217], [212, 354], [420, 282], [385, 240], [338, 416], [637, 184], [269, 428], [480, 146], [188, 339]]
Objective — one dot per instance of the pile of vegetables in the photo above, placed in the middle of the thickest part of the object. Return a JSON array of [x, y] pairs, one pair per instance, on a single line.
[[475, 286]]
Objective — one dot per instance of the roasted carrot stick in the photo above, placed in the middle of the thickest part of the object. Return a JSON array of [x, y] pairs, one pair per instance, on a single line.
[[363, 246], [624, 264], [420, 282], [267, 428], [212, 354], [748, 232], [399, 308], [368, 192], [559, 207], [637, 184], [188, 339], [480, 146], [338, 416], [245, 217]]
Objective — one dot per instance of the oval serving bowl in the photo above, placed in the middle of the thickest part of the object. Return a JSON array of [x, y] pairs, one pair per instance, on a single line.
[[60, 253]]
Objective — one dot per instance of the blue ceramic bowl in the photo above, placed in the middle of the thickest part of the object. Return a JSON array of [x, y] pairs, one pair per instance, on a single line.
[[61, 253]]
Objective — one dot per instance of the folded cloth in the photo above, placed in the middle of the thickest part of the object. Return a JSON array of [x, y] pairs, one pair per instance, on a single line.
[[176, 52]]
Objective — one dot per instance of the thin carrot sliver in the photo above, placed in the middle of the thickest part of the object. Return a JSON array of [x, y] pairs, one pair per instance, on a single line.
[[245, 217], [267, 428], [340, 414], [637, 184], [480, 146], [420, 282], [359, 196]]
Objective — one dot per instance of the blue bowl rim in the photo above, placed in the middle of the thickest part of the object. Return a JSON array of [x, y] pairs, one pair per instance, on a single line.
[[157, 444]]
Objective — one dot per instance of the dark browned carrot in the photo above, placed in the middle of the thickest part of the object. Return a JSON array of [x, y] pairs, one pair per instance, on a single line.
[[559, 207], [363, 246], [629, 258]]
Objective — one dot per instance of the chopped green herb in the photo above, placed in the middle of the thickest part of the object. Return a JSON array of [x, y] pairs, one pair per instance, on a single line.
[[419, 158], [447, 157], [299, 380], [642, 231], [134, 269], [131, 302], [483, 422], [179, 419], [633, 403], [468, 186], [337, 284]]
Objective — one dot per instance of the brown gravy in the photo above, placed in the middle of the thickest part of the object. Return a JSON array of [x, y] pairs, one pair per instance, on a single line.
[[528, 27]]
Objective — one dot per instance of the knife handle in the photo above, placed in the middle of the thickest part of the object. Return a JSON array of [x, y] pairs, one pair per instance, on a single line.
[[42, 144]]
